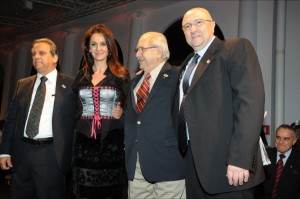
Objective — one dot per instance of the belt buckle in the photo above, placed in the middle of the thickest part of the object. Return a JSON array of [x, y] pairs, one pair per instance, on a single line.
[[37, 142]]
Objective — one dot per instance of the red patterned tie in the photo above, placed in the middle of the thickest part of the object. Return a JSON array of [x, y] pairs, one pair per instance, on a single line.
[[279, 169], [142, 93]]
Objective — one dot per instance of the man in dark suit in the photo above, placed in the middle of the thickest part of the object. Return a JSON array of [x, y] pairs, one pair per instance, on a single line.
[[153, 163], [289, 180], [223, 111], [39, 162]]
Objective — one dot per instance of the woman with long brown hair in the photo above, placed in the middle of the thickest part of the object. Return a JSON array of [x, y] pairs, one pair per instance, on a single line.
[[98, 162]]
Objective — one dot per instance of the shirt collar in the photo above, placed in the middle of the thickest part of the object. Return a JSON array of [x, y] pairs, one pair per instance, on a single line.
[[154, 73], [202, 51], [50, 76], [287, 154]]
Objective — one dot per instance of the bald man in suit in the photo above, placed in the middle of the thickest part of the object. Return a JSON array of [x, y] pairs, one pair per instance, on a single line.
[[223, 108]]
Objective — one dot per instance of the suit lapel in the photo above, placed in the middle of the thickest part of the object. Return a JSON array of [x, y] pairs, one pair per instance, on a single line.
[[59, 93], [133, 85], [184, 64], [273, 158], [290, 161], [204, 63], [160, 81], [27, 97]]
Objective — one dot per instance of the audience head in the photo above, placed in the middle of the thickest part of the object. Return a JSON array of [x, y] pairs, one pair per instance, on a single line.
[[198, 28], [151, 50], [44, 55], [285, 138], [296, 126]]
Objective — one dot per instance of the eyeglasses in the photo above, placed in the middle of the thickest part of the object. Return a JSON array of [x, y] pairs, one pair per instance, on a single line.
[[142, 49], [197, 23]]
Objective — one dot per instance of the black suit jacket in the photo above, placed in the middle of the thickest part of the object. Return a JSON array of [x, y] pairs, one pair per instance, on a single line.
[[289, 182], [224, 114], [62, 121], [151, 133]]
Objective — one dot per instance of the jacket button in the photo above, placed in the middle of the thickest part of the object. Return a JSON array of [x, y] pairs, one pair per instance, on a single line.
[[136, 141], [138, 122]]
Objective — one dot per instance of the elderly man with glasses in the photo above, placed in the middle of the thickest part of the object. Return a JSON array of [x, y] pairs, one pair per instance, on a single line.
[[153, 163]]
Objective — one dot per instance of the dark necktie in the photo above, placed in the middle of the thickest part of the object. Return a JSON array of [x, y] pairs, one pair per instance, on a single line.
[[182, 137], [33, 122], [279, 169], [142, 93]]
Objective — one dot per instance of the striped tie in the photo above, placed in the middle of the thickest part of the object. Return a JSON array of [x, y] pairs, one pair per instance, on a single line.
[[142, 93], [279, 169]]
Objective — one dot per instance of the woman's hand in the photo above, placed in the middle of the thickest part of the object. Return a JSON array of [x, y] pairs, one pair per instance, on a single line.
[[117, 111]]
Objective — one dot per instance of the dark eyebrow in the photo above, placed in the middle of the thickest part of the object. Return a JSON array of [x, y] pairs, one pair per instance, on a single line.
[[277, 136]]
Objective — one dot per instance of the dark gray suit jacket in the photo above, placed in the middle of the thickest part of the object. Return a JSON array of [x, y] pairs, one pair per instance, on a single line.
[[225, 106], [62, 121], [151, 133]]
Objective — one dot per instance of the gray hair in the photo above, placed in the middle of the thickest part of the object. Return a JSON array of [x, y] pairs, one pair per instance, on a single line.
[[159, 40]]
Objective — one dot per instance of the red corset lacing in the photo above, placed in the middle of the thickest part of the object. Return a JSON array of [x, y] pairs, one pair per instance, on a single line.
[[96, 120]]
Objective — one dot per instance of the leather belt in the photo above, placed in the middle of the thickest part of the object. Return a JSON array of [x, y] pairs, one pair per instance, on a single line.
[[39, 141]]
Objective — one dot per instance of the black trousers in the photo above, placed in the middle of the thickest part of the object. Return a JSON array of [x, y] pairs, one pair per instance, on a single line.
[[194, 189], [38, 175]]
